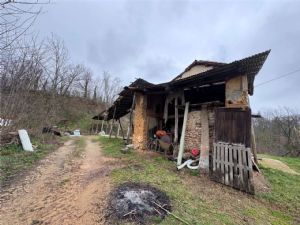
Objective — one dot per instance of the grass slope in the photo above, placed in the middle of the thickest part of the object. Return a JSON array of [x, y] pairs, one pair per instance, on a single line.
[[285, 187], [13, 159], [194, 199]]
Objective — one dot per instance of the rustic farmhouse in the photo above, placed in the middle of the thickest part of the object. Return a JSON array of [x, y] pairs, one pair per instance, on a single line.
[[206, 107]]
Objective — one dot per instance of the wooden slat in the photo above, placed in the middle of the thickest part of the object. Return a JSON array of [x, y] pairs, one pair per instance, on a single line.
[[232, 166], [235, 120], [226, 165]]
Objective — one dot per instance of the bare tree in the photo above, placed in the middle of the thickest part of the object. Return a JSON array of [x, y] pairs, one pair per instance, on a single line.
[[287, 122], [278, 132], [16, 17], [73, 77], [111, 86], [85, 83], [58, 63]]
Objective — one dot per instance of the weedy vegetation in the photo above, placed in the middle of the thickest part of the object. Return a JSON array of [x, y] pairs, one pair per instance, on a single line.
[[201, 201]]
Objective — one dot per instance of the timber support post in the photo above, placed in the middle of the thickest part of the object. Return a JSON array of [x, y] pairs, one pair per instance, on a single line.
[[102, 125], [113, 121], [130, 120], [253, 143], [176, 121], [121, 129]]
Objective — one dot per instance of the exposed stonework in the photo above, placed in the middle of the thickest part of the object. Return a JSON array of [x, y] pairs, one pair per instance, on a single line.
[[198, 136], [139, 138], [237, 92], [193, 131]]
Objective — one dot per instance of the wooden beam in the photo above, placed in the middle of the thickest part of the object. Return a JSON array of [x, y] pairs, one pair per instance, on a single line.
[[113, 121], [102, 125], [253, 144], [121, 129], [118, 132], [97, 127], [176, 122], [166, 110], [130, 119]]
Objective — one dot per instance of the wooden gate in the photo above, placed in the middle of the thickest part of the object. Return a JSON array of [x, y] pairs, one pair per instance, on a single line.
[[231, 156]]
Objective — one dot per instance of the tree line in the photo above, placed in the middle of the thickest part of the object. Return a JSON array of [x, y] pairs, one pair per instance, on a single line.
[[278, 132], [38, 79]]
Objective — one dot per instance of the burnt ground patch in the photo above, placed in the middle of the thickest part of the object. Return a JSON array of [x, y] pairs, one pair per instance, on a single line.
[[135, 202]]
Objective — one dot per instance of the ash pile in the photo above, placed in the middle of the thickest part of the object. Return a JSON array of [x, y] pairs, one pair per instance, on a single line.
[[137, 203]]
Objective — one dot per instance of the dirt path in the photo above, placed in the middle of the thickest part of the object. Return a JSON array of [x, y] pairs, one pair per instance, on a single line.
[[61, 190], [276, 164]]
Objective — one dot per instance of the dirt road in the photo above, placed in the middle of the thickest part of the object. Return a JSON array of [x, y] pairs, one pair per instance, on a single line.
[[63, 189]]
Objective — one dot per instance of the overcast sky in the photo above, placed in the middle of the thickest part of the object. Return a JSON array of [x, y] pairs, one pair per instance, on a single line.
[[156, 40]]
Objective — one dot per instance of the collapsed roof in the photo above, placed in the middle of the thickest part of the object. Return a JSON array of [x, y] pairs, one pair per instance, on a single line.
[[220, 72]]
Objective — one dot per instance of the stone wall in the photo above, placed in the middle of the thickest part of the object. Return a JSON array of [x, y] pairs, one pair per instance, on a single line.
[[139, 137], [198, 136], [193, 131]]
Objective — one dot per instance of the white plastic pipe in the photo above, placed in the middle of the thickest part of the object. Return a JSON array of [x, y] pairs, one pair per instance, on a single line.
[[182, 138], [188, 163]]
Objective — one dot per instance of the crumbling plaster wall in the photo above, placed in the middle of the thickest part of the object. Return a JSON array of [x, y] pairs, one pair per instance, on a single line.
[[139, 137], [237, 92], [195, 70]]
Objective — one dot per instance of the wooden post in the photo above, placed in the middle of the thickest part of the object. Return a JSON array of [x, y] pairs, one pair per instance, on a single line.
[[182, 138], [166, 110], [118, 132], [176, 121], [130, 119], [253, 143], [102, 125], [121, 129], [113, 121], [97, 127], [91, 128], [106, 128]]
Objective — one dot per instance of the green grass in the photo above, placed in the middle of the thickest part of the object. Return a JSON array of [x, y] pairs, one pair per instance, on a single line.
[[82, 122], [194, 207], [292, 162], [285, 187], [14, 159], [79, 147], [112, 147]]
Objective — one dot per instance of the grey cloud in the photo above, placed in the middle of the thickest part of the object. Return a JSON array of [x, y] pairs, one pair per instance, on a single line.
[[156, 40]]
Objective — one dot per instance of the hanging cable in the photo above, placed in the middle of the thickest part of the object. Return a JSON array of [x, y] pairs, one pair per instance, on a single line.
[[277, 78]]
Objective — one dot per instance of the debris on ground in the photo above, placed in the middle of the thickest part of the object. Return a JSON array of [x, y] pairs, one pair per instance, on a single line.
[[261, 185], [137, 203], [9, 138], [276, 164], [127, 148], [25, 140]]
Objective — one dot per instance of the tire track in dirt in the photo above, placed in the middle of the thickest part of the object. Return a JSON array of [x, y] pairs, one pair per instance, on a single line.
[[61, 190]]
